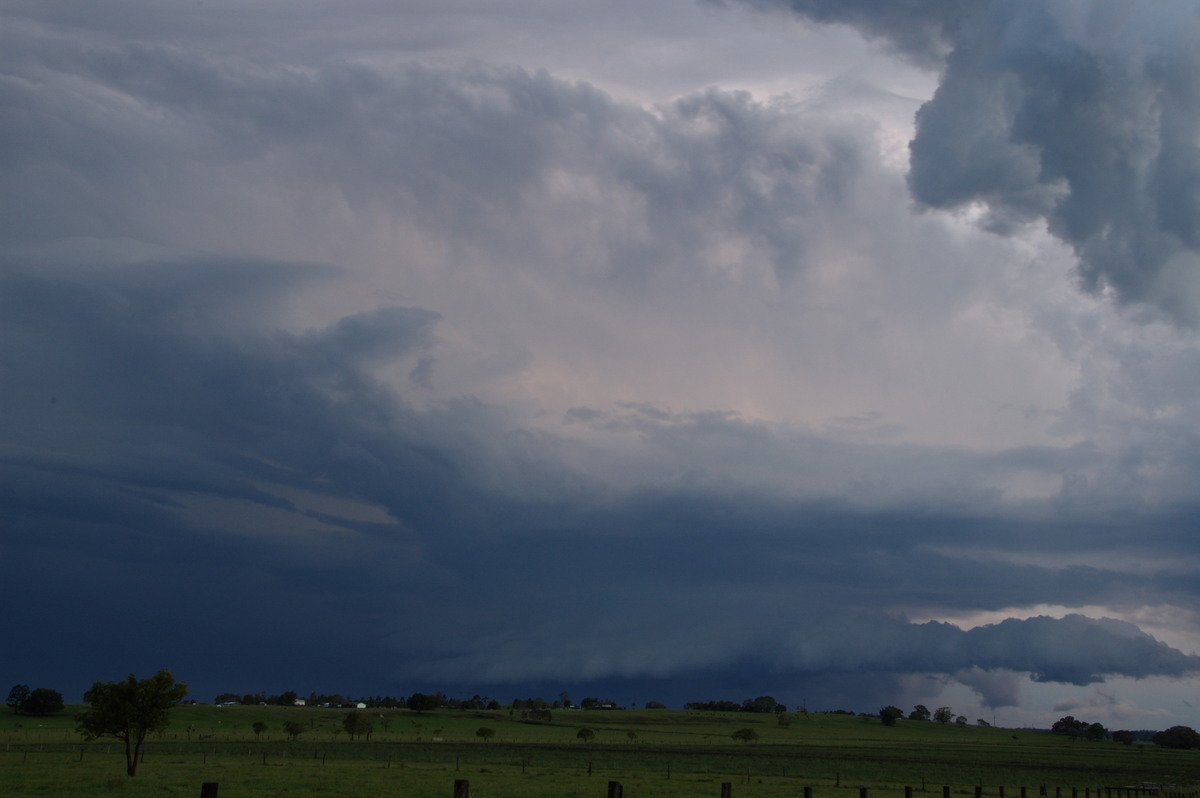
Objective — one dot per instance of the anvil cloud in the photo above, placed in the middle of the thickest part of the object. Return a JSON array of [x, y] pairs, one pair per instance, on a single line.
[[677, 351]]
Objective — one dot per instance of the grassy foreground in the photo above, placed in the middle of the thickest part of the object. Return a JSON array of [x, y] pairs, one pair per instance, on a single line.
[[651, 753]]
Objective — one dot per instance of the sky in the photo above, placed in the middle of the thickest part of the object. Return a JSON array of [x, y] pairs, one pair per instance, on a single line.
[[662, 351]]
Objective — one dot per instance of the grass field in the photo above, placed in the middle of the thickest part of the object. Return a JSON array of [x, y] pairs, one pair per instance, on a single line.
[[652, 753]]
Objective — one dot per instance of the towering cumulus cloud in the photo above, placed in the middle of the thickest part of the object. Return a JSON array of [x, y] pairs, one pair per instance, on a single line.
[[1084, 114]]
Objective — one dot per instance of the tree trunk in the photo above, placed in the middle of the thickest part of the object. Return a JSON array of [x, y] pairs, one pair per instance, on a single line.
[[133, 753]]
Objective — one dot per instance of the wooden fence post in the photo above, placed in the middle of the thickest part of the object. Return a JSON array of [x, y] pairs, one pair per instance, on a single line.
[[908, 792], [209, 789], [862, 792], [808, 792], [945, 791], [727, 789], [462, 788], [615, 790]]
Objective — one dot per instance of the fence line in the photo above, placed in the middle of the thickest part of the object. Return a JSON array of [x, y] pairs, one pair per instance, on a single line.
[[462, 789]]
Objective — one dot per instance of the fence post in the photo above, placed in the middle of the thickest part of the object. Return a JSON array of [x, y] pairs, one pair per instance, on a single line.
[[614, 790], [862, 792], [908, 792], [462, 788], [978, 790], [945, 791], [808, 792], [209, 789], [1001, 791], [727, 789]]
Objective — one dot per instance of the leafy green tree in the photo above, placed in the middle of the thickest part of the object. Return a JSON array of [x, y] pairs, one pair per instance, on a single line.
[[17, 696], [484, 733], [130, 710], [745, 735], [43, 701], [294, 729], [920, 712], [890, 714], [585, 734], [259, 727], [764, 703], [40, 702], [357, 723], [1069, 726], [1123, 736], [943, 714], [1178, 737], [419, 702]]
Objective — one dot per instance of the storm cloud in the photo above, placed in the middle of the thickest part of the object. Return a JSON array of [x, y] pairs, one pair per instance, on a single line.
[[1079, 115], [481, 373]]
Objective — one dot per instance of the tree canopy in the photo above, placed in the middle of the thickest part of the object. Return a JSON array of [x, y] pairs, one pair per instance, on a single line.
[[130, 710], [1178, 737], [41, 701]]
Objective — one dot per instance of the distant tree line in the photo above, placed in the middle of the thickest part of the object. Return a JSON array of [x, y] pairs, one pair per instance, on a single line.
[[764, 703]]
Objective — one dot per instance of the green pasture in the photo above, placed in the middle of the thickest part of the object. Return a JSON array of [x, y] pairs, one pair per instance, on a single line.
[[651, 752]]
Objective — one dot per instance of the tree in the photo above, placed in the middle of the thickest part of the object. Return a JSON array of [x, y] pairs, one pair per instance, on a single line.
[[943, 714], [259, 727], [1069, 726], [1123, 736], [920, 712], [890, 714], [1177, 737], [294, 729], [17, 696], [357, 723], [130, 710], [484, 733], [43, 701], [419, 702], [585, 734], [745, 735]]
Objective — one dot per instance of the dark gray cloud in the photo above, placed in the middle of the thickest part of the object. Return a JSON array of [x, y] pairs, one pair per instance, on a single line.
[[164, 441], [919, 29], [1082, 115]]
